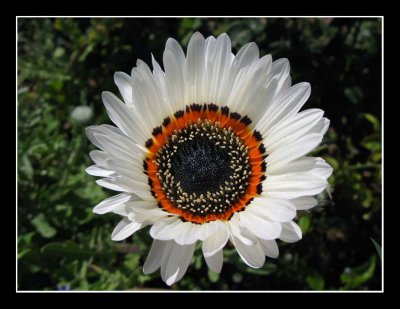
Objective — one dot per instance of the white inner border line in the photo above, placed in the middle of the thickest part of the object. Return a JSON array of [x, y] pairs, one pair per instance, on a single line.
[[204, 291]]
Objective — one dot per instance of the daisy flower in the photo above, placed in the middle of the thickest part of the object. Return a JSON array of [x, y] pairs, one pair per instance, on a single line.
[[211, 149]]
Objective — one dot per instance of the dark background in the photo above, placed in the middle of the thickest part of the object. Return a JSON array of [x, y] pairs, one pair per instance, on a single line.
[[65, 64]]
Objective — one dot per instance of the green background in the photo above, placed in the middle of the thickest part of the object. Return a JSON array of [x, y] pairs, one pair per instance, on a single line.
[[67, 63]]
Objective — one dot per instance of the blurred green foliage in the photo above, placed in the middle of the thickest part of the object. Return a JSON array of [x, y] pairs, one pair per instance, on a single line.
[[65, 64]]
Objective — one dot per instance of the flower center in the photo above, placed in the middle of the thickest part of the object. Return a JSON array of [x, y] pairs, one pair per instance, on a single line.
[[200, 165], [205, 163], [204, 168]]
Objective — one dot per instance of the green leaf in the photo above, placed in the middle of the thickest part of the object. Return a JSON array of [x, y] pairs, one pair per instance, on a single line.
[[332, 162], [26, 167], [43, 227], [353, 278], [57, 84], [354, 94], [372, 145], [132, 261], [59, 52], [266, 270], [68, 248], [39, 149], [213, 276], [25, 239], [377, 247], [315, 282], [373, 120], [198, 261], [23, 252], [304, 224]]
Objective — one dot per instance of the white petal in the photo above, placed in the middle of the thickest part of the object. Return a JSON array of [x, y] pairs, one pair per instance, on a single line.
[[121, 148], [145, 218], [102, 129], [99, 157], [132, 186], [156, 67], [124, 184], [210, 43], [246, 56], [132, 170], [260, 226], [90, 135], [305, 202], [173, 228], [294, 151], [165, 256], [291, 232], [321, 127], [304, 164], [174, 81], [249, 86], [322, 169], [122, 211], [175, 261], [314, 166], [280, 73], [148, 95], [159, 76], [111, 203], [125, 118], [252, 255], [284, 83], [129, 183], [148, 208], [124, 83], [195, 66], [125, 229], [218, 60], [131, 178], [215, 261], [176, 50], [188, 234], [285, 105], [215, 243], [326, 126], [289, 130], [262, 101], [270, 248], [279, 210], [110, 183], [239, 232], [206, 230], [153, 260], [96, 170], [293, 185]]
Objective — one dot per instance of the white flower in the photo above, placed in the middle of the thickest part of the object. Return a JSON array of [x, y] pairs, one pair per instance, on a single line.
[[211, 149]]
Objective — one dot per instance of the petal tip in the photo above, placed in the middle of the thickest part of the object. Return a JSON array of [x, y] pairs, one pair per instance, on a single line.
[[97, 211]]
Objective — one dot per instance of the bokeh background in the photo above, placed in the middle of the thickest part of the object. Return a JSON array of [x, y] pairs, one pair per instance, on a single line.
[[64, 65]]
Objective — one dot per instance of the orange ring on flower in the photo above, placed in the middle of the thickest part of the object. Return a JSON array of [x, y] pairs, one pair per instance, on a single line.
[[222, 117]]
